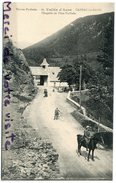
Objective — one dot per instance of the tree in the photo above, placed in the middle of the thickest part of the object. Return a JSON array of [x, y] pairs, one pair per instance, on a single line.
[[106, 56], [101, 88], [87, 71], [71, 73], [67, 74]]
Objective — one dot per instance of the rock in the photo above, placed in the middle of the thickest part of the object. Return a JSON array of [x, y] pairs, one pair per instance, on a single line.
[[39, 178], [33, 163], [32, 157], [44, 155], [45, 175]]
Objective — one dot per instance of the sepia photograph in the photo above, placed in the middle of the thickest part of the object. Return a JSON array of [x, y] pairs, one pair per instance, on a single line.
[[57, 91]]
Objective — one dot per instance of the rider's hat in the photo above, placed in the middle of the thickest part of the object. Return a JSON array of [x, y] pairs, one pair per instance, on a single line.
[[87, 127]]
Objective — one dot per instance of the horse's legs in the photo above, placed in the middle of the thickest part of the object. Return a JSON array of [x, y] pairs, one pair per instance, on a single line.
[[79, 149], [93, 154], [56, 117], [89, 154]]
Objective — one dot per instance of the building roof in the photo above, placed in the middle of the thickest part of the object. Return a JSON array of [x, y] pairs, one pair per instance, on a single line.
[[51, 71], [38, 71]]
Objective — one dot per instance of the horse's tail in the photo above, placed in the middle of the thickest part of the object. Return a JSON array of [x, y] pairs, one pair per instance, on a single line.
[[79, 137]]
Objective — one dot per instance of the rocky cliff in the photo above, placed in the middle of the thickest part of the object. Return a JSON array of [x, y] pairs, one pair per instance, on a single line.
[[25, 155], [17, 68]]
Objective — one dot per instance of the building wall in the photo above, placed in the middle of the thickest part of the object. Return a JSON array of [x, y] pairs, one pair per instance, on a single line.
[[58, 84], [51, 80]]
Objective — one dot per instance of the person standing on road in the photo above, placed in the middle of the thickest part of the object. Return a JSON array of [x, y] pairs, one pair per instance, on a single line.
[[56, 113]]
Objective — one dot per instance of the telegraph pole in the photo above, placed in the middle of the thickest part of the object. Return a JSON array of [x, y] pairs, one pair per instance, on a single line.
[[80, 80], [99, 123]]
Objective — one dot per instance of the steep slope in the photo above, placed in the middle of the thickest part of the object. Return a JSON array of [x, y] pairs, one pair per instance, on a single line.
[[83, 36], [17, 68], [24, 153]]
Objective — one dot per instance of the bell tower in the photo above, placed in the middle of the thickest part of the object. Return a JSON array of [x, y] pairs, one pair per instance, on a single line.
[[44, 64]]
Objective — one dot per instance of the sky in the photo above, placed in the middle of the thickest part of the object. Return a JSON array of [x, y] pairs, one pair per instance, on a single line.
[[33, 22]]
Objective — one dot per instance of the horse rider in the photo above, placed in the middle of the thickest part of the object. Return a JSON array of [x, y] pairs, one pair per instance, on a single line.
[[87, 135], [57, 112]]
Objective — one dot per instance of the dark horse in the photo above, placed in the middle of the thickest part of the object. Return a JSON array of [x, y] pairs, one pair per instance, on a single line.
[[92, 143]]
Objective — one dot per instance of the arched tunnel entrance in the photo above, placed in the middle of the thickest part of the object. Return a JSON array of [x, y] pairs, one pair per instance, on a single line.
[[44, 80]]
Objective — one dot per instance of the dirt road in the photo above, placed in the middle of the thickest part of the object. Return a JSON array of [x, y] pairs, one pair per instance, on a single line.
[[62, 133]]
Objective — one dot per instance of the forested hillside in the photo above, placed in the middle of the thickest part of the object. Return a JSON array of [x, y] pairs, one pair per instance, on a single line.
[[83, 36]]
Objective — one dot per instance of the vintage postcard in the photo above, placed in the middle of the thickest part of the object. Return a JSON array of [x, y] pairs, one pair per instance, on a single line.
[[57, 91]]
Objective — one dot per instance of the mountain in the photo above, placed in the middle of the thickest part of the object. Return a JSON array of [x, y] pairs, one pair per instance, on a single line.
[[83, 36]]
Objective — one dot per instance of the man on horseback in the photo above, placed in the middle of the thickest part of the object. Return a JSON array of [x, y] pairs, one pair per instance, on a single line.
[[87, 135]]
